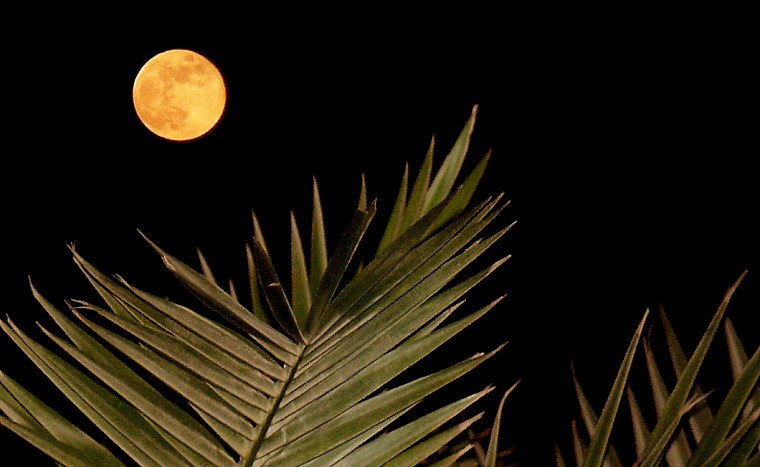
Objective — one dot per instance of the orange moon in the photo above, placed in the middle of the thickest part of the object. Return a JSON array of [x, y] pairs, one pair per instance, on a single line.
[[179, 95]]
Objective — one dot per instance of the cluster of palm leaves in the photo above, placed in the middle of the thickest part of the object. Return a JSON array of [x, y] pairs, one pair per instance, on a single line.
[[311, 375], [686, 429], [315, 372]]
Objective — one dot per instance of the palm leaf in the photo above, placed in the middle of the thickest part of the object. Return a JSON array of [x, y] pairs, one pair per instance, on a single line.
[[729, 435], [311, 375], [678, 451], [493, 444], [559, 459], [599, 445], [640, 429], [699, 418], [738, 358]]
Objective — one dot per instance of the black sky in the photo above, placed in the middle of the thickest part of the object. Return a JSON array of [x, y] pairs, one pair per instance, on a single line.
[[626, 144]]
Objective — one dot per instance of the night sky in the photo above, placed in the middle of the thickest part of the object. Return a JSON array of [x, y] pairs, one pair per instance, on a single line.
[[626, 147]]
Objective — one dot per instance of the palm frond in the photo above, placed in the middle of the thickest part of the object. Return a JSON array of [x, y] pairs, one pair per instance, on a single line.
[[309, 375], [728, 436]]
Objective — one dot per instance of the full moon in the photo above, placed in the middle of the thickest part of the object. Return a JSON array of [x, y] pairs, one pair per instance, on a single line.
[[179, 95]]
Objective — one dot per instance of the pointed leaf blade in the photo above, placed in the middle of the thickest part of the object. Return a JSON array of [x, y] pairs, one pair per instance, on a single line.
[[449, 170], [299, 277], [393, 228], [318, 252], [600, 437], [414, 206], [493, 444]]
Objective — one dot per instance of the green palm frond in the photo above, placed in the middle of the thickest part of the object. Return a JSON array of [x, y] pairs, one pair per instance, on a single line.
[[311, 375], [687, 430]]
